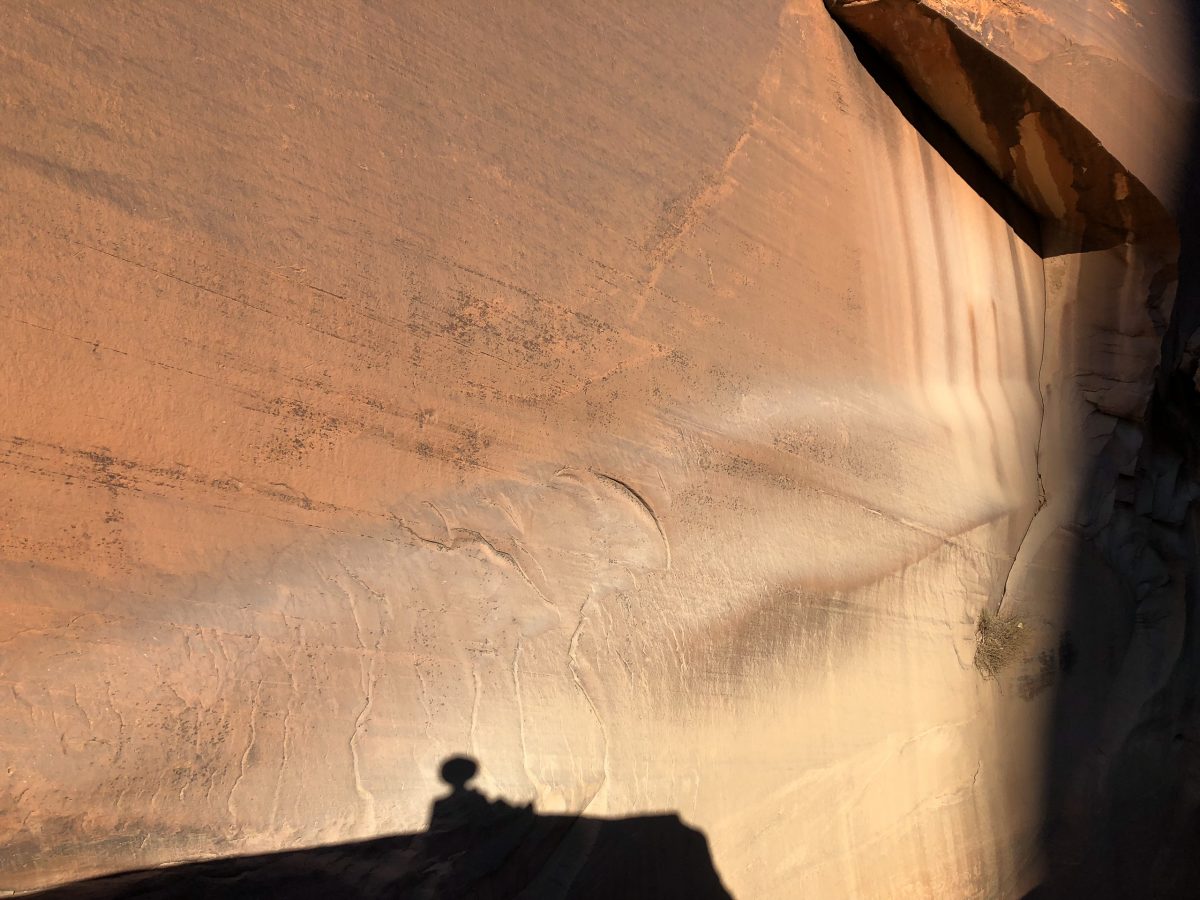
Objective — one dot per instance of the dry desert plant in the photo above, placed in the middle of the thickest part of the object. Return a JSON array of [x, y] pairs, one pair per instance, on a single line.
[[998, 641]]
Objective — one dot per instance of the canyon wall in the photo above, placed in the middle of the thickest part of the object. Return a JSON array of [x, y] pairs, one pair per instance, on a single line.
[[1086, 111], [645, 401]]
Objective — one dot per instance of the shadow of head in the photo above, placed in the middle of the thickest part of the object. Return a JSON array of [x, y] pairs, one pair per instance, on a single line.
[[458, 770], [474, 847]]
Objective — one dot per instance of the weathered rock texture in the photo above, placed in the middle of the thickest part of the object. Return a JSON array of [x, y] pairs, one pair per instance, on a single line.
[[630, 397], [1084, 110]]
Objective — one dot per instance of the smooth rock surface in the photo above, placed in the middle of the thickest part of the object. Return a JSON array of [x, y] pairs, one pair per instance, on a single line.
[[630, 397]]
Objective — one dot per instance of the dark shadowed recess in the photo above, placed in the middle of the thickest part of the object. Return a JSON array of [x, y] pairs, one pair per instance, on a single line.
[[1106, 204], [1126, 823], [1120, 819], [474, 847], [945, 141]]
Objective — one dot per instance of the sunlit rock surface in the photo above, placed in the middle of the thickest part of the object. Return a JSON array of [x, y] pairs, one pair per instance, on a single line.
[[1085, 110], [633, 398]]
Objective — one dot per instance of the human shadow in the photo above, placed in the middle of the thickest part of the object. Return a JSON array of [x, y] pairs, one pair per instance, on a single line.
[[474, 847]]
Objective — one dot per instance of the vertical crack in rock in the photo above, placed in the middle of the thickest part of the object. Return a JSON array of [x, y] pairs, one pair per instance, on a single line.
[[1024, 545], [1113, 447], [244, 762], [573, 665], [516, 677], [423, 698], [1086, 198], [476, 696], [368, 662], [298, 647]]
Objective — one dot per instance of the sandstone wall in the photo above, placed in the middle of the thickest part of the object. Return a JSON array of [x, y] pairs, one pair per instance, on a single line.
[[628, 396], [1086, 110]]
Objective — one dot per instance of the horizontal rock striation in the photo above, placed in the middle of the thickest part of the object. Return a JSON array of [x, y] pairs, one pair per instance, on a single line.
[[646, 404]]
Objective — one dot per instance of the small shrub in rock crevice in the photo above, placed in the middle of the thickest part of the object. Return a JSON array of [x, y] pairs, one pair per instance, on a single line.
[[998, 641]]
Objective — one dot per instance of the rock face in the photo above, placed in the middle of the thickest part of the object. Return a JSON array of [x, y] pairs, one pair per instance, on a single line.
[[646, 402], [1050, 96]]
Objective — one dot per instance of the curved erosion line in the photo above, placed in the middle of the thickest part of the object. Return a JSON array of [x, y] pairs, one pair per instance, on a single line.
[[637, 498]]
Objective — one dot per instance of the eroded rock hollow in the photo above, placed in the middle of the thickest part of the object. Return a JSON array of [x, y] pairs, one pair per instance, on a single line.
[[659, 408]]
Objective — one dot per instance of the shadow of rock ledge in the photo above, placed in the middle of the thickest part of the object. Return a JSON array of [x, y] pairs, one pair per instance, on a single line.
[[473, 848], [1122, 817]]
